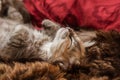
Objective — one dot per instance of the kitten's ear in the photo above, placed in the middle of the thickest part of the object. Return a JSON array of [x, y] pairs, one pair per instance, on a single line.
[[88, 43]]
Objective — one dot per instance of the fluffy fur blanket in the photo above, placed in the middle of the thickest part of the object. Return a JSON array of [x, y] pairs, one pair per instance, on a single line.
[[29, 71]]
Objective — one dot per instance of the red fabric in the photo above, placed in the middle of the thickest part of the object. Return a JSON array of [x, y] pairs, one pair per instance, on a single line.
[[98, 14]]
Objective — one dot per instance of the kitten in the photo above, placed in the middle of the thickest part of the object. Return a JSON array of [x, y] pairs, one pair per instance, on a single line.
[[21, 42], [60, 46]]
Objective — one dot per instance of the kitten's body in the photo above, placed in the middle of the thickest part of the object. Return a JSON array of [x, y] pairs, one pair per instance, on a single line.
[[19, 41]]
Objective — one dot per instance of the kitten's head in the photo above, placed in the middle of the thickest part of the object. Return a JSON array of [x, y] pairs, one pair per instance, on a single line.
[[67, 49], [14, 10]]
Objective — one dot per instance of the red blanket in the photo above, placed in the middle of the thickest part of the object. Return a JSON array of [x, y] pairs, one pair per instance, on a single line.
[[98, 14]]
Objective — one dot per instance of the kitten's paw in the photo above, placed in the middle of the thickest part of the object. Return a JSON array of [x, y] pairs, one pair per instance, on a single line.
[[50, 27], [48, 24]]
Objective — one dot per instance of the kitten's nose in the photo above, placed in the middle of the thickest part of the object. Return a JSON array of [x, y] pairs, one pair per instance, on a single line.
[[70, 29]]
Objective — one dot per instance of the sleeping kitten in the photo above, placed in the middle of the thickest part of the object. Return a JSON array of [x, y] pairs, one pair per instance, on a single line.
[[21, 42]]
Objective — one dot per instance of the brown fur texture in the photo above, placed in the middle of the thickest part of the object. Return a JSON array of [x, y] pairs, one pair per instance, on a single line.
[[30, 71], [104, 56]]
